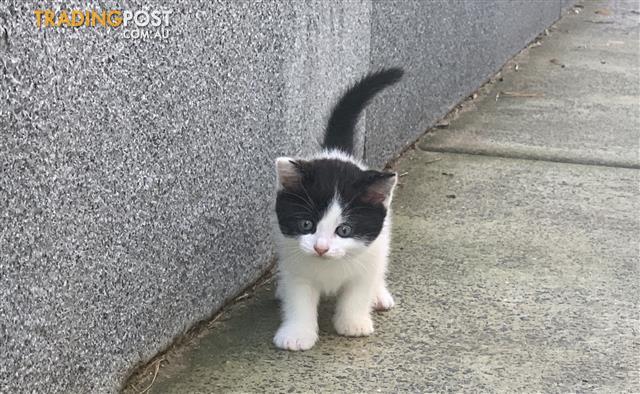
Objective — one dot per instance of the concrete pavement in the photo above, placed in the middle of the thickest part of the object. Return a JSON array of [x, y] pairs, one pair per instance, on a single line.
[[573, 98], [515, 256]]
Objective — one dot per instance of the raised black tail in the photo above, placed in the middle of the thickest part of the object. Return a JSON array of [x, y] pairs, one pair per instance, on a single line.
[[341, 127]]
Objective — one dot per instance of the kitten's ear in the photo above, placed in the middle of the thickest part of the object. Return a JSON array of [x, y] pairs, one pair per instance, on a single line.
[[378, 187], [289, 172]]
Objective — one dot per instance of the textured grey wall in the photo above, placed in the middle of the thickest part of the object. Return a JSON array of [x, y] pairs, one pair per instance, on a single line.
[[449, 48], [134, 175]]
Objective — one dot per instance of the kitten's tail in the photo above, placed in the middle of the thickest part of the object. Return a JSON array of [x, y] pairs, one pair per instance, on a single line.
[[341, 126]]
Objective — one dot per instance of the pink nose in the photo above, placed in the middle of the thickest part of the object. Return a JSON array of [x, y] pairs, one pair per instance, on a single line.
[[320, 251]]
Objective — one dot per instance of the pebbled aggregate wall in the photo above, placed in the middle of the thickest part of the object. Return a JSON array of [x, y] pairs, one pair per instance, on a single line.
[[136, 174]]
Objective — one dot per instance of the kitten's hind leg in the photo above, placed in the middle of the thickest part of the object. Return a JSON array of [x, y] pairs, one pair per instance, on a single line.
[[382, 299]]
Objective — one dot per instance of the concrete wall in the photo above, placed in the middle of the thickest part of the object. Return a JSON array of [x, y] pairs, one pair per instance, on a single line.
[[449, 48], [134, 175]]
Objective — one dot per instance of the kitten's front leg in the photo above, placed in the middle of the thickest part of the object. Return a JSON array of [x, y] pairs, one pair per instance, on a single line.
[[353, 311], [299, 329], [383, 300]]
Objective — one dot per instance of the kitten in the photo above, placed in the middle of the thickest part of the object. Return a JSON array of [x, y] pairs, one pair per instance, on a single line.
[[333, 228]]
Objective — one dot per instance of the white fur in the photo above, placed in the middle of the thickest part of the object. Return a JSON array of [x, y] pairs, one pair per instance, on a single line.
[[349, 269]]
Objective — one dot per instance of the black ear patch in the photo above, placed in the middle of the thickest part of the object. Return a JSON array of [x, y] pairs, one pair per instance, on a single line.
[[377, 186]]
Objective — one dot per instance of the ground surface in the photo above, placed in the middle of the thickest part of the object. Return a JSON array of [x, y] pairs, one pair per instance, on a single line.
[[515, 254]]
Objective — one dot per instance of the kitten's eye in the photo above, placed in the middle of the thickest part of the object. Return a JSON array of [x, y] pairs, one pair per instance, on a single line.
[[305, 226], [344, 230]]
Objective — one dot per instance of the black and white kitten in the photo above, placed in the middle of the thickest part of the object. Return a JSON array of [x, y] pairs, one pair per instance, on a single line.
[[333, 228]]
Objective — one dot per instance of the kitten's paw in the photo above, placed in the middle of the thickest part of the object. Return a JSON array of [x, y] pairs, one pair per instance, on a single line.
[[354, 327], [294, 338], [383, 300]]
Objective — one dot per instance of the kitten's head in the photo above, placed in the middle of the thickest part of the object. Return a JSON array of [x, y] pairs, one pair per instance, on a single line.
[[331, 206]]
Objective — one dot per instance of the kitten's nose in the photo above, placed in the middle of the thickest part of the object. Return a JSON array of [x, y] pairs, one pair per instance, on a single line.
[[320, 250]]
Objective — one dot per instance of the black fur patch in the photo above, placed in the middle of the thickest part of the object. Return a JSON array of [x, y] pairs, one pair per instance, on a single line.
[[310, 197], [345, 114]]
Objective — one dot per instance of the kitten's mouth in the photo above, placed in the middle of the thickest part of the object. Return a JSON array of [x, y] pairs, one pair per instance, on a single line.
[[326, 257]]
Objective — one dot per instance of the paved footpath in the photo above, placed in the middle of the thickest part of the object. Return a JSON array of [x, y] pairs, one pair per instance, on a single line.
[[515, 261]]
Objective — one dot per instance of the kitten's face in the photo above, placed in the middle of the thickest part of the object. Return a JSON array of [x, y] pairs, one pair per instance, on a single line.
[[330, 207]]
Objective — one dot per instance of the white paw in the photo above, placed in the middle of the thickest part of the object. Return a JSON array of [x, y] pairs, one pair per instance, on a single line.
[[354, 327], [383, 300], [295, 338]]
